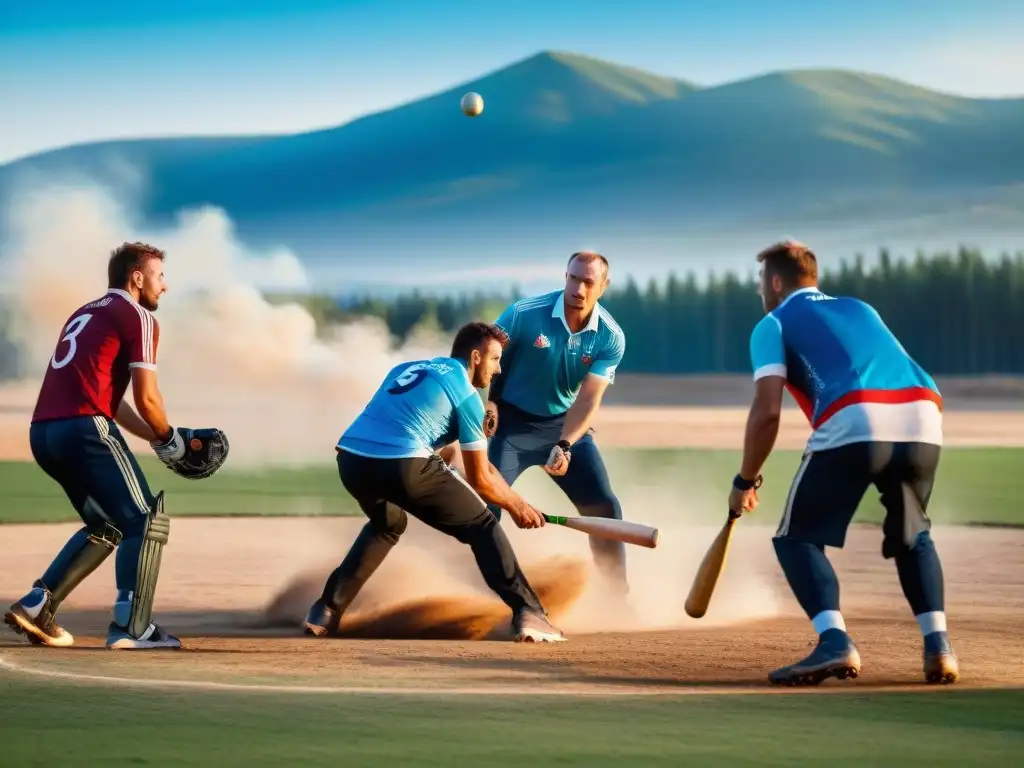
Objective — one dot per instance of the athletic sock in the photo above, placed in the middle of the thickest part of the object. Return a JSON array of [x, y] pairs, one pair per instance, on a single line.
[[932, 621], [827, 620]]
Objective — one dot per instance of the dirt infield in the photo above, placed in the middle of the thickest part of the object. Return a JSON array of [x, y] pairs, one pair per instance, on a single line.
[[235, 590]]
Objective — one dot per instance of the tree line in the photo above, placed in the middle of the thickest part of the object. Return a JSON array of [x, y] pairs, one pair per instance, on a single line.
[[957, 313]]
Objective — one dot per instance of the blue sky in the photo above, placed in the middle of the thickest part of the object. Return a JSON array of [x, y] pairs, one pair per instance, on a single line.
[[71, 71]]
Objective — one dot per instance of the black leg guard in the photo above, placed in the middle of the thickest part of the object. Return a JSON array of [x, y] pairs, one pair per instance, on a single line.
[[158, 528], [84, 553]]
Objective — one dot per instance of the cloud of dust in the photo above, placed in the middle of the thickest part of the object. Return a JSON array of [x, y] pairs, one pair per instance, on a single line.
[[430, 587], [230, 359], [674, 500], [227, 357]]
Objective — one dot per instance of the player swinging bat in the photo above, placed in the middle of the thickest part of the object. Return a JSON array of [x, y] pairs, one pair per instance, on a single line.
[[711, 566]]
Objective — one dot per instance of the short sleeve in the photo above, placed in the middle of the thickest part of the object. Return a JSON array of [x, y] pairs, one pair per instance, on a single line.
[[608, 359], [140, 335], [767, 351], [506, 323], [471, 423]]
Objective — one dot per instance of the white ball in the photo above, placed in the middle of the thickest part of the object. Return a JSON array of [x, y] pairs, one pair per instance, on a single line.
[[472, 104]]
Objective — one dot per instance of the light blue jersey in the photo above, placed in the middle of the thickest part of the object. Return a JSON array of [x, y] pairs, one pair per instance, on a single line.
[[421, 406], [544, 363], [846, 370]]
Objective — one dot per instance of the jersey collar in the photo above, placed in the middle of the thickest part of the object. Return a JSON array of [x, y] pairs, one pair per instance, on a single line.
[[559, 311], [123, 294], [797, 292]]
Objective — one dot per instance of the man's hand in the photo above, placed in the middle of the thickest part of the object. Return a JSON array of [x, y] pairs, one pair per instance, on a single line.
[[490, 419], [525, 516], [558, 459], [742, 499]]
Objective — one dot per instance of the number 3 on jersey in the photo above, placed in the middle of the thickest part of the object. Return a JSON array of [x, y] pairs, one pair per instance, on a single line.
[[408, 379], [70, 335]]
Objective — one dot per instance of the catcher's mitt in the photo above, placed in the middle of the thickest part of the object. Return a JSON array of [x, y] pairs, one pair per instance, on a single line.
[[194, 453]]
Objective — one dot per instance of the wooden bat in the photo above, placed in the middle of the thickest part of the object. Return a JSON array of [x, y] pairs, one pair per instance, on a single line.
[[609, 528], [710, 569]]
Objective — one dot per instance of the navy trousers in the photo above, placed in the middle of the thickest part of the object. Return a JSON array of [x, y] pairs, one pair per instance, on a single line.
[[89, 458], [523, 440]]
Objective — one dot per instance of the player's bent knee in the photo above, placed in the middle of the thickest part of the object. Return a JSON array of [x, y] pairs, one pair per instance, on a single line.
[[86, 551], [894, 546]]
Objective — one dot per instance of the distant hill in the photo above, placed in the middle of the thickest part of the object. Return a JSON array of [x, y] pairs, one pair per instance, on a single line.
[[580, 145]]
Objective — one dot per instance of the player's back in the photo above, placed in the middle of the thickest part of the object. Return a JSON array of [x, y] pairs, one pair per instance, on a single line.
[[90, 368], [843, 360], [413, 412]]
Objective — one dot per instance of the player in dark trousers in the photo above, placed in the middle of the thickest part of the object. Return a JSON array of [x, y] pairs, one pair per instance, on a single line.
[[75, 438], [561, 352], [389, 460], [876, 419]]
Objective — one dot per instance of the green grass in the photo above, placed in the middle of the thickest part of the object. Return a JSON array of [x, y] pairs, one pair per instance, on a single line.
[[46, 722], [975, 485]]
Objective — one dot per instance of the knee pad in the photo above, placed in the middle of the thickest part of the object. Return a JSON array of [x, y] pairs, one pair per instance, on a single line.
[[157, 528]]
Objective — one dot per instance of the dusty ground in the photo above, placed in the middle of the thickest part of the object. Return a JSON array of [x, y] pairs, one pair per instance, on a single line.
[[235, 590], [237, 605]]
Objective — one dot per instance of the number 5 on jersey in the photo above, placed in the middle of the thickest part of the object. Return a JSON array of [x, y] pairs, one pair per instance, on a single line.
[[408, 379], [70, 335]]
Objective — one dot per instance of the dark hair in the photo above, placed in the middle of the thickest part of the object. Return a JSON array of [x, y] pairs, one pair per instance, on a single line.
[[794, 262], [472, 335], [127, 258], [588, 256]]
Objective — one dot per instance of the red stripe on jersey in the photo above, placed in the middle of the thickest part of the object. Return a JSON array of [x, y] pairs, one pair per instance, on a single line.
[[885, 396], [805, 405]]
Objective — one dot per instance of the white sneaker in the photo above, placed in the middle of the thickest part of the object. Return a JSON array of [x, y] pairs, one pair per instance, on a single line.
[[153, 638], [529, 627]]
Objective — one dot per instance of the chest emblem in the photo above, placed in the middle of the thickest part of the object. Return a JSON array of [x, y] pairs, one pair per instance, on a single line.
[[587, 359], [541, 342]]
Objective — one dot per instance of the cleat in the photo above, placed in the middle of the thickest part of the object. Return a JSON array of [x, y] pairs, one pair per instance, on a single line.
[[834, 656], [940, 663], [529, 627], [154, 638], [322, 620], [32, 616]]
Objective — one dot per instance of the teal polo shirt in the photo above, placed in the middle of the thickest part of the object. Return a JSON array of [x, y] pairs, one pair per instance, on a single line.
[[544, 363]]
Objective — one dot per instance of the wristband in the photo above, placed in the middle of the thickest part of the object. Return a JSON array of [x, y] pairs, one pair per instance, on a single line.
[[745, 485], [564, 445]]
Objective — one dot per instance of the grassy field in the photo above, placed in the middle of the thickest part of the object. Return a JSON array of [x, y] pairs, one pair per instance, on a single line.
[[174, 727], [975, 485]]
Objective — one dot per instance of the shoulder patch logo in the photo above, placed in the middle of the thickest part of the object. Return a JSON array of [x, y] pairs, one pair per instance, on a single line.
[[541, 342]]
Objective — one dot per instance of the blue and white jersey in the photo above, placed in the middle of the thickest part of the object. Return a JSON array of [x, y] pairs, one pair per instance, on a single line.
[[544, 363], [850, 375], [421, 406]]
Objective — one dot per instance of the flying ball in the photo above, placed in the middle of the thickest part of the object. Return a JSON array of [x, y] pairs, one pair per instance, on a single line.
[[472, 104]]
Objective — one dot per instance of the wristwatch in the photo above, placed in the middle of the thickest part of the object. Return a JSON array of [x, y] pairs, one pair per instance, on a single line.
[[745, 485], [564, 445]]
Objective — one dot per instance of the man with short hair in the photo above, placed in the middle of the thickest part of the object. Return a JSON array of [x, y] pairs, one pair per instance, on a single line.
[[389, 461], [561, 352], [876, 417], [75, 438]]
